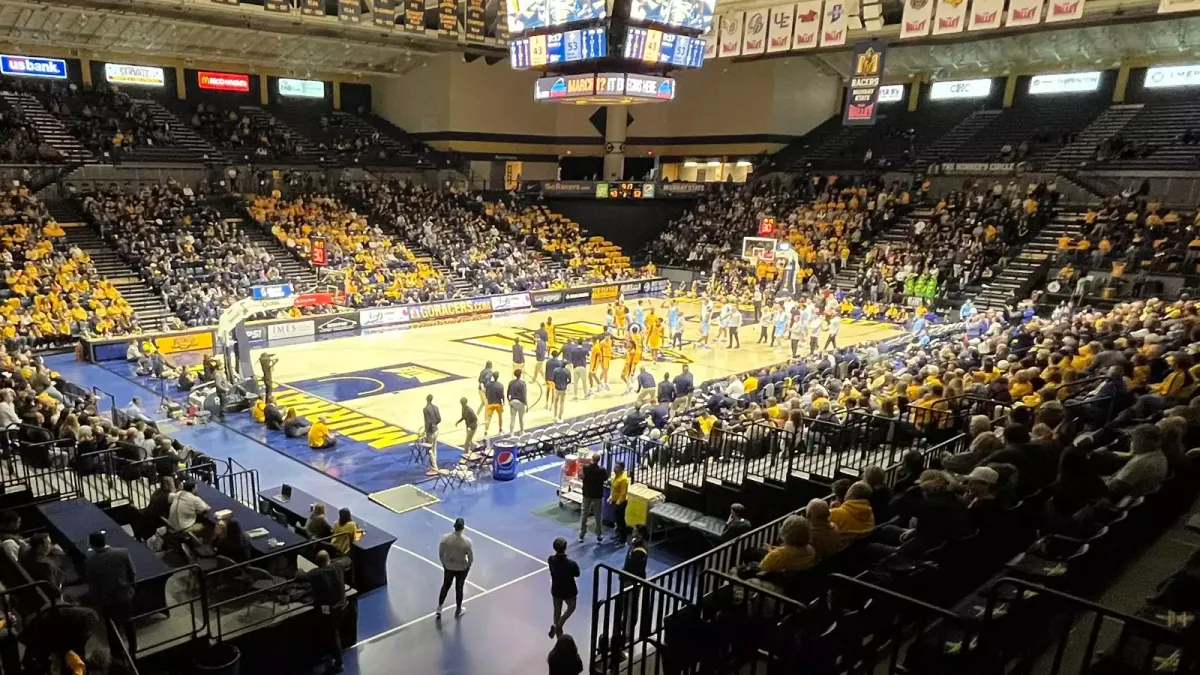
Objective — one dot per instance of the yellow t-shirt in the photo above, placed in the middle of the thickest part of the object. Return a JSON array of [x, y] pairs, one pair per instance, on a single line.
[[318, 435], [620, 489], [259, 411], [343, 535]]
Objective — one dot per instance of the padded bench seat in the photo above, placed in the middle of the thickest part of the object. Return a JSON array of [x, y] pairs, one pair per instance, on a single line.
[[676, 515], [708, 526]]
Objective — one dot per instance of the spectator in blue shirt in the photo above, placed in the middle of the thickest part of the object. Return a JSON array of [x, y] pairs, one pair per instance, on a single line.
[[646, 386], [684, 384], [561, 377], [666, 390]]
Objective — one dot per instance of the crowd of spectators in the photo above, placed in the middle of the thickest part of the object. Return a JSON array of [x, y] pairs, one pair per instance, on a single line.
[[260, 136], [970, 235], [587, 258], [104, 118], [182, 248], [824, 218], [1087, 409], [1131, 233], [52, 292], [462, 233], [20, 142], [375, 269]]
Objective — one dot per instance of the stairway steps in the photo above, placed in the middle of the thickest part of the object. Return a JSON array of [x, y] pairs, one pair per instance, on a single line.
[[48, 126]]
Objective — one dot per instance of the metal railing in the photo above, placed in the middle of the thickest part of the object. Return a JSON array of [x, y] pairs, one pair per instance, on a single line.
[[637, 626]]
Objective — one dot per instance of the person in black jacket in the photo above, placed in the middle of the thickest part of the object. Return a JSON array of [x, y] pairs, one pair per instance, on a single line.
[[564, 657], [593, 476], [563, 589], [329, 603], [110, 578]]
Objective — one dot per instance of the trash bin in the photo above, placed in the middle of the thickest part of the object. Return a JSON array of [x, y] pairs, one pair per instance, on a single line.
[[219, 659], [504, 460]]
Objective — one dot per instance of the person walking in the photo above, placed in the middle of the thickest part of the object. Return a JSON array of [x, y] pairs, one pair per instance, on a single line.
[[518, 402], [766, 321], [735, 322], [457, 556], [433, 417], [560, 379], [563, 589], [110, 577], [471, 420], [579, 375], [593, 477], [618, 496], [329, 600], [835, 324]]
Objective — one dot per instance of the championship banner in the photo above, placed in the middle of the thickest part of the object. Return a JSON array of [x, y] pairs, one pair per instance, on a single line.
[[512, 175], [473, 20], [280, 6], [448, 18], [834, 24], [711, 42], [414, 16], [918, 14], [312, 7], [1024, 13], [754, 39], [350, 10], [1172, 6], [501, 21], [862, 100], [779, 30], [1064, 10], [384, 13], [731, 34], [986, 14], [951, 17], [808, 24]]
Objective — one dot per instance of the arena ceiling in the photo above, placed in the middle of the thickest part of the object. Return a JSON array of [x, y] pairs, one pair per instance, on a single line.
[[252, 40]]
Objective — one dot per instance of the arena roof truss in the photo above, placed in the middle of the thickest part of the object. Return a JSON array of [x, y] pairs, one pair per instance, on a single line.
[[245, 37]]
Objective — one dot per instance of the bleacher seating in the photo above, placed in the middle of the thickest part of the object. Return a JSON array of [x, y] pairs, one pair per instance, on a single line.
[[1154, 139], [1032, 132]]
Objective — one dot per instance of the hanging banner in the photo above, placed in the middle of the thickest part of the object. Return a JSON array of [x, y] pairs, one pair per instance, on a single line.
[[808, 24], [731, 34], [500, 23], [1023, 13], [447, 18], [711, 43], [950, 17], [384, 13], [918, 14], [986, 14], [473, 20], [312, 7], [350, 10], [512, 175], [1172, 6], [414, 16], [1064, 10], [754, 38], [866, 76], [779, 30], [834, 24]]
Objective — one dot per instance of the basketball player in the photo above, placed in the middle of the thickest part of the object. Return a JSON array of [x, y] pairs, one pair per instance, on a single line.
[[518, 353], [639, 316], [814, 332], [494, 392], [833, 326], [594, 359], [606, 354], [722, 320], [633, 354], [654, 336], [766, 321], [705, 324], [550, 330], [610, 321], [540, 349], [675, 324], [485, 376], [620, 318]]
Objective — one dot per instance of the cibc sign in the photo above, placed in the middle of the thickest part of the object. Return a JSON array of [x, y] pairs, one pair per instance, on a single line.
[[235, 82]]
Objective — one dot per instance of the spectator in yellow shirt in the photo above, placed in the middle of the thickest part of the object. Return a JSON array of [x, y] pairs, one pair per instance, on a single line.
[[320, 437], [618, 496]]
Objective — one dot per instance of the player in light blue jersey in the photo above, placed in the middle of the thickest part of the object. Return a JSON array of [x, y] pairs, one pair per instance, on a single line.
[[675, 324], [705, 324]]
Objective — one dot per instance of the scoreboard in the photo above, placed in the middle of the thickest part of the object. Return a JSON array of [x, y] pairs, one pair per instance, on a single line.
[[651, 45], [531, 15], [572, 46]]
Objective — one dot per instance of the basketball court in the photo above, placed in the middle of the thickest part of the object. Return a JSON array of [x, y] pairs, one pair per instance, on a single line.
[[371, 389]]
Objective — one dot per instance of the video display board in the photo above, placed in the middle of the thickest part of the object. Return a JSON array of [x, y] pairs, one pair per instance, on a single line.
[[654, 46], [529, 15], [572, 46], [690, 14]]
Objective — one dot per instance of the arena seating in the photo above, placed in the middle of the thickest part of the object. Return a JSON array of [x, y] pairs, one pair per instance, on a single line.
[[966, 593], [20, 142], [1161, 136], [374, 268], [347, 138], [52, 292], [1032, 132]]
